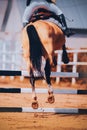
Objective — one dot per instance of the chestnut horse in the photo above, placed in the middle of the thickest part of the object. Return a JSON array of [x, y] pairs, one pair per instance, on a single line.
[[41, 39]]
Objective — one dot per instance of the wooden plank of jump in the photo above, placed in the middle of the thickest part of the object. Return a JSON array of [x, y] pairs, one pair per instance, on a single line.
[[42, 90], [53, 74], [44, 110]]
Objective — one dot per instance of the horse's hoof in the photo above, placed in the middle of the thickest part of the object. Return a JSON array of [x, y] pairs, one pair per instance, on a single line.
[[51, 99], [35, 105]]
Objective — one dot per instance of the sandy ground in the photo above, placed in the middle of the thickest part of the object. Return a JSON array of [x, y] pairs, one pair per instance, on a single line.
[[26, 121], [42, 121]]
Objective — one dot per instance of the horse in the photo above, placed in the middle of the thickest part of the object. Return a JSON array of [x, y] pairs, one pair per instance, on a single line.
[[42, 38]]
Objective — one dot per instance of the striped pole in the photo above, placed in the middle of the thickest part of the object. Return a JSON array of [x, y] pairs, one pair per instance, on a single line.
[[53, 74], [44, 110], [41, 90]]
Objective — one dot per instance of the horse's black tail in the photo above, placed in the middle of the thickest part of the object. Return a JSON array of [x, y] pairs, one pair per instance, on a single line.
[[34, 41], [65, 58], [35, 46]]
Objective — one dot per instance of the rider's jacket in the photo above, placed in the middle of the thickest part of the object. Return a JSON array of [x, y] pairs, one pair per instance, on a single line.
[[40, 4]]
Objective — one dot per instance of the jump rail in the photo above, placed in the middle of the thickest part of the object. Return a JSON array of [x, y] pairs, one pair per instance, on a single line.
[[53, 74], [27, 90], [41, 90], [44, 110]]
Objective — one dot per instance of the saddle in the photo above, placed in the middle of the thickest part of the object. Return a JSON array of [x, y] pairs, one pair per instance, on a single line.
[[43, 14]]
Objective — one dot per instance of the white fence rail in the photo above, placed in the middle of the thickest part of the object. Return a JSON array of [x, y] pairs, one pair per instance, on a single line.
[[12, 60], [74, 63]]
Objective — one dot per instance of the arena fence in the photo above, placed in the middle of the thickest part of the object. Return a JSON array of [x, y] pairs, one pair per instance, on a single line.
[[12, 60]]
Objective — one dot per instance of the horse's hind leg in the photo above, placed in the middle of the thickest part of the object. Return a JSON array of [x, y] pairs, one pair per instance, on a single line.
[[51, 98], [65, 58], [34, 97]]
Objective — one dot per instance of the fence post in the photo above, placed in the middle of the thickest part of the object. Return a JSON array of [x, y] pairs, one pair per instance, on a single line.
[[3, 58], [74, 68], [59, 58], [12, 65]]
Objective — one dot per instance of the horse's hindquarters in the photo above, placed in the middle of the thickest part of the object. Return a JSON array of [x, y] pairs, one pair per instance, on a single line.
[[51, 36]]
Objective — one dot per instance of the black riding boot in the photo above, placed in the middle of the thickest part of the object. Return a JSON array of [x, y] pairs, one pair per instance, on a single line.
[[65, 29]]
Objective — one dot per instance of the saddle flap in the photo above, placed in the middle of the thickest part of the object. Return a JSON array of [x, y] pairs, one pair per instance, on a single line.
[[41, 13]]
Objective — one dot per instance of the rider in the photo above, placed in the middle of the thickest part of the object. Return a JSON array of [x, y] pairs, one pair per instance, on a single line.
[[31, 5]]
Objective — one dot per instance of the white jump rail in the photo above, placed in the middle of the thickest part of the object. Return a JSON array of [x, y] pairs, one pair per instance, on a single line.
[[44, 110], [42, 90], [53, 74]]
